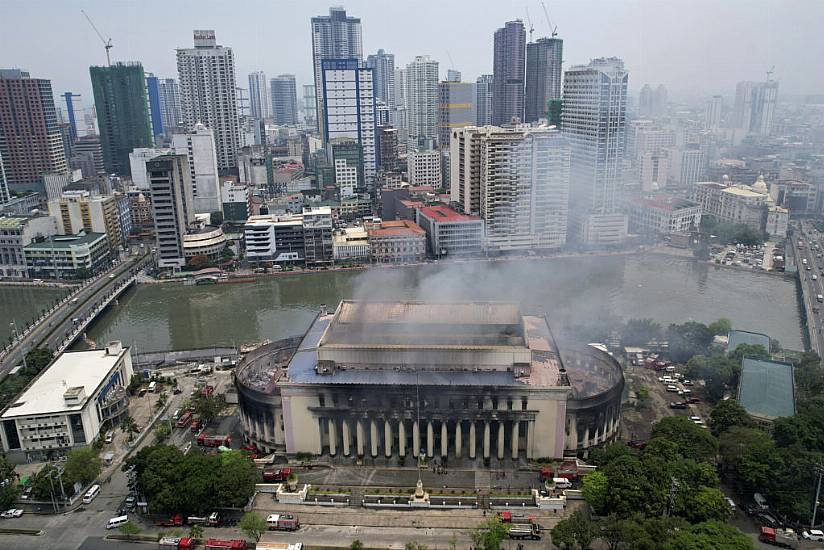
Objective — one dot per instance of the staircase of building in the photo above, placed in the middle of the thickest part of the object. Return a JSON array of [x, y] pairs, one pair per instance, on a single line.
[[356, 497]]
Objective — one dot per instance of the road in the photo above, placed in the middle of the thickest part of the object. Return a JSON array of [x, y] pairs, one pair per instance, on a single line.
[[52, 329], [808, 244]]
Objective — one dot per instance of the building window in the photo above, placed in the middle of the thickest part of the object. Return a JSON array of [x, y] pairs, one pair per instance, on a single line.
[[322, 400], [523, 403]]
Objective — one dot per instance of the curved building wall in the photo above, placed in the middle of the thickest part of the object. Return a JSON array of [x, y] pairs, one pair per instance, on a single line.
[[594, 407]]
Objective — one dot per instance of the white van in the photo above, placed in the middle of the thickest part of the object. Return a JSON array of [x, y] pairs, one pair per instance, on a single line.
[[561, 483], [117, 522], [152, 386], [90, 495], [109, 436]]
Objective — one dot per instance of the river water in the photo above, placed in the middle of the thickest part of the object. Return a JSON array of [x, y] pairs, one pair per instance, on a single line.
[[22, 305], [573, 292]]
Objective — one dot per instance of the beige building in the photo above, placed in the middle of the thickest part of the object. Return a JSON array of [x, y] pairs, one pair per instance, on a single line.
[[76, 210], [463, 381], [396, 242], [742, 204], [350, 243]]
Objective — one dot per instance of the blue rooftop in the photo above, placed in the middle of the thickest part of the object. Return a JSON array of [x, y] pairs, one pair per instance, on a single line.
[[738, 337]]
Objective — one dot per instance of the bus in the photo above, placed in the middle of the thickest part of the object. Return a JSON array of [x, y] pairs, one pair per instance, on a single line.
[[185, 419], [91, 494]]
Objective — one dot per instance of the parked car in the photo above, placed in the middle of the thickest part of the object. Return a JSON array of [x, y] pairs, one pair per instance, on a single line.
[[678, 405], [12, 513], [730, 503], [813, 534]]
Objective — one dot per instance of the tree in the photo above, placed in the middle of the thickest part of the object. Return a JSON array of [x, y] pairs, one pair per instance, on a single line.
[[83, 465], [9, 488], [236, 480], [130, 529], [356, 545], [196, 531], [639, 332], [489, 534], [37, 360], [689, 339], [595, 490], [708, 503], [693, 442], [583, 528], [129, 426], [208, 407], [727, 414], [162, 431], [134, 383], [720, 327], [710, 535], [253, 525], [750, 351], [415, 546], [562, 535], [43, 481]]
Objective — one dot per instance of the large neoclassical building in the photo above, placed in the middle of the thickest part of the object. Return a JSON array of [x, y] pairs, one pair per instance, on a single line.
[[392, 380]]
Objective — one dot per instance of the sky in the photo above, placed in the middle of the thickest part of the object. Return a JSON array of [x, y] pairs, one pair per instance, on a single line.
[[693, 47]]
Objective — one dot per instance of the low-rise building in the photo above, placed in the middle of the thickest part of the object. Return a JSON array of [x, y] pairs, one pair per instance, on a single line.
[[274, 238], [76, 210], [662, 214], [15, 234], [450, 233], [799, 197], [67, 404], [140, 210], [68, 256], [235, 199], [395, 242], [778, 220], [317, 234], [350, 243], [355, 207], [208, 242], [742, 204], [766, 390]]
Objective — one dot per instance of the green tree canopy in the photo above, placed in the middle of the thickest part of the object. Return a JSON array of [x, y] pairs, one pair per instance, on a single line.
[[9, 489], [130, 529], [639, 332], [727, 414], [710, 535], [720, 327], [688, 339], [83, 465], [595, 490], [252, 525], [693, 441], [489, 534]]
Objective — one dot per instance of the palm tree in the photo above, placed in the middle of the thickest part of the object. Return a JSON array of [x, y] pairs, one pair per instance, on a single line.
[[129, 426]]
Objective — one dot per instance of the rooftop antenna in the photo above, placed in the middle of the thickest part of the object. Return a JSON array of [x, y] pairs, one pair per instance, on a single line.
[[106, 43], [531, 27], [552, 30], [770, 73]]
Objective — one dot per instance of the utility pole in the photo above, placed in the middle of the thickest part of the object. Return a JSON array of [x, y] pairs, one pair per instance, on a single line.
[[819, 470]]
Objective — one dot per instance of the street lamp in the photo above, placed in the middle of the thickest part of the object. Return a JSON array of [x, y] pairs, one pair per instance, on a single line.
[[13, 326]]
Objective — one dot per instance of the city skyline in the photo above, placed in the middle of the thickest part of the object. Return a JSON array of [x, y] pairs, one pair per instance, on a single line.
[[738, 37]]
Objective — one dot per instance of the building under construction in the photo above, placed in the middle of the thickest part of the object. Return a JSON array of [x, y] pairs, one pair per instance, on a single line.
[[392, 380]]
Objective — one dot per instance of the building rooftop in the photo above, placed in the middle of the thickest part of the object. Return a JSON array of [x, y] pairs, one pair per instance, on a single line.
[[738, 337], [65, 241], [440, 213], [11, 223], [85, 370], [670, 203], [395, 228], [767, 389]]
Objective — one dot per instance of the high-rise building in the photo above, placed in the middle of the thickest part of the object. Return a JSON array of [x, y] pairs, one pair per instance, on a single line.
[[712, 118], [347, 158], [422, 101], [456, 108], [170, 113], [388, 141], [594, 123], [88, 156], [199, 148], [5, 196], [508, 73], [334, 36], [208, 93], [155, 112], [755, 106], [686, 165], [544, 59], [172, 210], [483, 100], [530, 213], [78, 210], [75, 114], [652, 103], [453, 75], [309, 106], [424, 168], [122, 113], [30, 139], [350, 111], [285, 99], [384, 66], [260, 103], [400, 118]]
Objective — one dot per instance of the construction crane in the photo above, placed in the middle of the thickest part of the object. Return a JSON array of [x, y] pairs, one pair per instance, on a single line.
[[106, 43], [529, 20], [552, 30]]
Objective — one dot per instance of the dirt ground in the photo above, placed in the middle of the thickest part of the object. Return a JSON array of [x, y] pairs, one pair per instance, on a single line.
[[637, 418]]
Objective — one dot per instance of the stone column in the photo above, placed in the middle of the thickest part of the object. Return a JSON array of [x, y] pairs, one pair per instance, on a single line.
[[430, 439], [359, 435], [444, 439], [347, 437], [387, 438], [500, 439], [458, 436], [333, 437], [373, 438], [586, 437], [401, 438], [486, 438], [515, 433], [472, 437], [416, 439], [530, 436]]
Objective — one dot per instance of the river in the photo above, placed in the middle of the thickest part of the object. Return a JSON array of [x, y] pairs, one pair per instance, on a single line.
[[22, 305], [574, 292]]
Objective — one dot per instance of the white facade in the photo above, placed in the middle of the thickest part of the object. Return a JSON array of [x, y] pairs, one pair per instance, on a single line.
[[594, 123], [137, 163], [350, 243], [15, 234], [260, 104], [346, 178], [199, 147], [422, 101], [272, 237], [712, 117], [686, 166], [350, 109], [654, 171], [778, 218], [755, 107], [208, 93], [663, 214], [384, 66], [68, 403], [172, 207], [424, 168], [737, 204]]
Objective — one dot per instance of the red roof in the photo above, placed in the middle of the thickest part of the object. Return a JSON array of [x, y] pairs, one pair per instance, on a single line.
[[396, 228], [440, 213]]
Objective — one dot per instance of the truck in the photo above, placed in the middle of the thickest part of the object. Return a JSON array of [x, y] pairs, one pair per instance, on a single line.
[[197, 423], [207, 391], [174, 521], [184, 419], [509, 517], [283, 522], [567, 469], [219, 544], [214, 440], [784, 538], [180, 543], [525, 531], [276, 474], [546, 473]]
